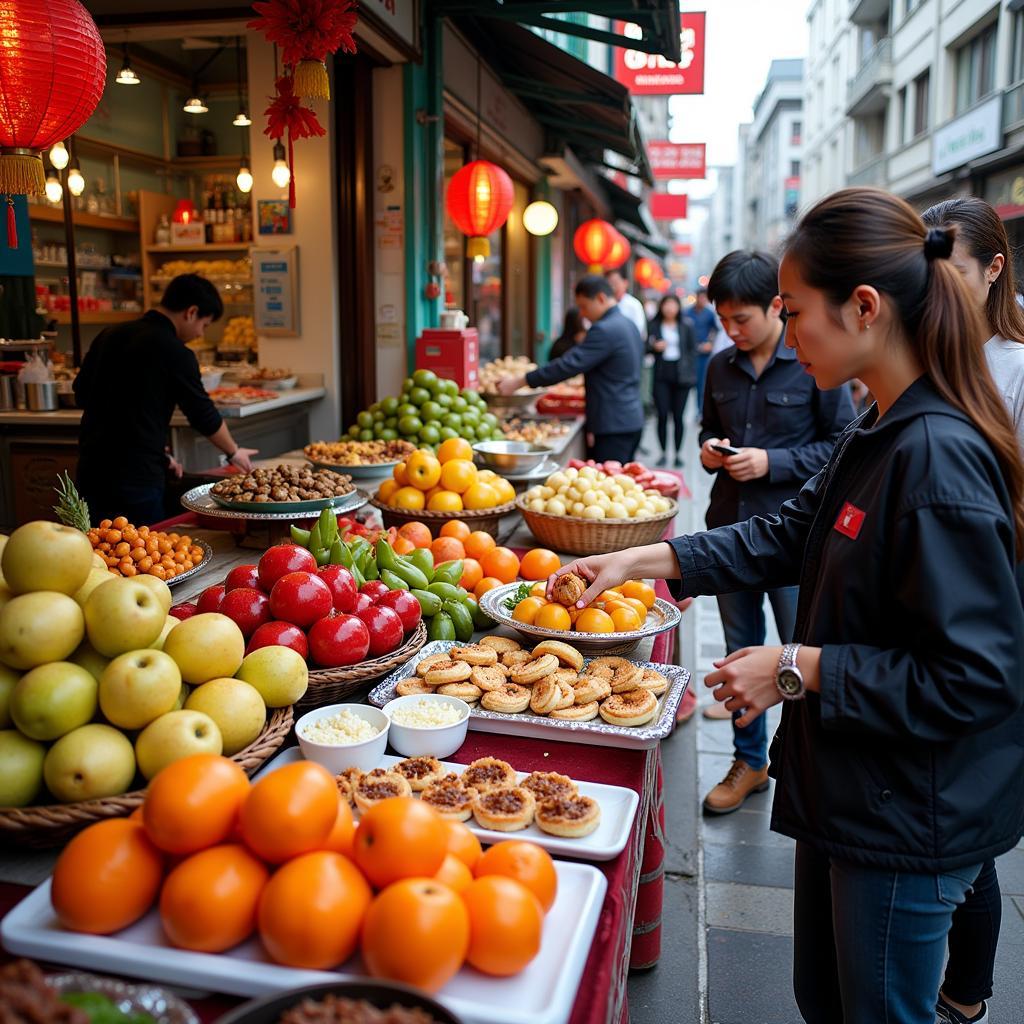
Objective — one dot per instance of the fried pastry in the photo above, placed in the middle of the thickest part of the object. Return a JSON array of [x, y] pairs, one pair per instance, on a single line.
[[570, 816], [430, 661], [577, 713], [474, 654], [566, 675], [450, 797], [545, 696], [419, 772], [413, 685], [464, 690], [447, 671], [568, 589], [488, 677], [509, 699], [568, 696], [620, 672], [513, 659], [504, 810], [654, 681], [501, 644], [347, 784], [637, 707], [487, 773], [533, 671], [591, 688], [544, 785], [380, 784], [566, 654]]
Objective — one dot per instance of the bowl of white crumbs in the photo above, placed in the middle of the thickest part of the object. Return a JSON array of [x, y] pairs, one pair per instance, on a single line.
[[427, 724], [343, 736]]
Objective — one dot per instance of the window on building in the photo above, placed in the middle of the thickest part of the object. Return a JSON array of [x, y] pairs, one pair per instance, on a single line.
[[1017, 56], [901, 115], [922, 98], [835, 83], [909, 5], [976, 69], [795, 132], [794, 168]]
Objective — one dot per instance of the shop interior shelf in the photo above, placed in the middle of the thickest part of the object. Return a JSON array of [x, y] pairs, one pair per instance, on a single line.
[[55, 215], [212, 247], [110, 316]]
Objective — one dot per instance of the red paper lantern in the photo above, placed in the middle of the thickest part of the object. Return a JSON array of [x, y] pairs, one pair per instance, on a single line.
[[593, 242], [620, 252], [646, 272], [479, 199]]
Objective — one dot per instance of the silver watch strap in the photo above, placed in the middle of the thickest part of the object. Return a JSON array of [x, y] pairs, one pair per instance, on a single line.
[[788, 657]]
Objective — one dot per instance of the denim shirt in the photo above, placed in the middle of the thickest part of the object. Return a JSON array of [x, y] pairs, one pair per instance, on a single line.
[[781, 411]]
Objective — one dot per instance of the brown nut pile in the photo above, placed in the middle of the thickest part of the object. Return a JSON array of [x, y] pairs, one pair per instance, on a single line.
[[358, 453], [533, 431], [285, 483]]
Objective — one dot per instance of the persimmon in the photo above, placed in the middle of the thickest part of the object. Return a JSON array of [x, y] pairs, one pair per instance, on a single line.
[[505, 925], [641, 591], [447, 549], [487, 583], [417, 932], [454, 527], [343, 833], [463, 843], [399, 838], [478, 543], [503, 563], [526, 863], [539, 564], [454, 873], [417, 533]]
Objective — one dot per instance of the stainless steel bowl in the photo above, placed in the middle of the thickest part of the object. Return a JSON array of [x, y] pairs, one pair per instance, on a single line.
[[511, 456]]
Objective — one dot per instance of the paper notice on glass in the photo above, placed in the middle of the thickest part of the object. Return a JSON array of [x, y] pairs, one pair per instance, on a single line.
[[276, 291]]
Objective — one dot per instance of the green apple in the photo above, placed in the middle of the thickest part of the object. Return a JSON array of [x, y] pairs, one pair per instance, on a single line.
[[89, 763], [40, 627], [158, 587], [235, 706], [173, 736], [96, 578], [124, 616], [138, 687], [21, 768], [278, 673], [46, 556], [90, 659], [206, 646], [53, 699], [8, 680], [169, 624]]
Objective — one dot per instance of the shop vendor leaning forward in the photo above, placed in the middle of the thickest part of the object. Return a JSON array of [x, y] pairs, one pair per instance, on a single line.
[[610, 358], [131, 379]]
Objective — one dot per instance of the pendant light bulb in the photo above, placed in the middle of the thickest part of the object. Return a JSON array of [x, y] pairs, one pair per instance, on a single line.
[[242, 119], [76, 182], [54, 189], [127, 75], [59, 156], [540, 218], [195, 105], [281, 172], [244, 178]]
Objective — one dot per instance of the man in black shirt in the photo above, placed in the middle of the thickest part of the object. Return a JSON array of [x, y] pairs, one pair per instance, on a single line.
[[131, 379], [759, 401]]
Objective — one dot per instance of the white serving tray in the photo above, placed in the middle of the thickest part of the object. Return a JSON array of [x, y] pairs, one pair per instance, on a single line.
[[544, 993], [608, 840], [596, 732]]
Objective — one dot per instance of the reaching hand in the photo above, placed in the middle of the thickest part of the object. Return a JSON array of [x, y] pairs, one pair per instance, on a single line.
[[601, 571], [243, 458], [510, 385]]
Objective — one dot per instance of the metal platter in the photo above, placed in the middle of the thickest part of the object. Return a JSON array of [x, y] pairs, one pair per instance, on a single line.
[[207, 559], [542, 472], [361, 472], [200, 500], [129, 997]]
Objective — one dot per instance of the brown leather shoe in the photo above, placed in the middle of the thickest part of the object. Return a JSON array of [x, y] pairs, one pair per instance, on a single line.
[[738, 784]]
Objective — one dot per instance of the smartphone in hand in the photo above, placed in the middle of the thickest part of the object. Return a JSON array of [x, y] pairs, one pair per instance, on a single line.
[[725, 449]]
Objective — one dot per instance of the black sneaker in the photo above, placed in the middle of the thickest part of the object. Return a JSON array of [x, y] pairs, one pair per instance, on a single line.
[[679, 461], [946, 1014], [663, 461]]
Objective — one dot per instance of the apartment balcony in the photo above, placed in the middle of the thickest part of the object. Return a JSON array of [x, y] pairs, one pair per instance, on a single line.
[[867, 12], [1013, 107], [868, 90], [874, 173]]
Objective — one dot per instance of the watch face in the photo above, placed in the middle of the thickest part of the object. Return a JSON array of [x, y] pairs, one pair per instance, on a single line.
[[789, 681]]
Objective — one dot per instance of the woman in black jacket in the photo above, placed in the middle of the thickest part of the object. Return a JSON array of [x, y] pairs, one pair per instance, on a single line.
[[899, 758], [574, 330], [670, 337]]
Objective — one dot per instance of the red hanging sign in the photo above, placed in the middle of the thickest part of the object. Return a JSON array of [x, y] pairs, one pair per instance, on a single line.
[[668, 207], [677, 159], [648, 74]]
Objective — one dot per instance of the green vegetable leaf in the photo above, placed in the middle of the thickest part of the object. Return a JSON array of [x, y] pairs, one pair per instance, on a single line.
[[521, 594]]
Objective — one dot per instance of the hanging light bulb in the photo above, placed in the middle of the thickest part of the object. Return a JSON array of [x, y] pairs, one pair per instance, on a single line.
[[540, 218], [281, 172], [127, 75], [244, 177], [195, 105], [76, 182], [59, 156], [54, 189], [242, 119]]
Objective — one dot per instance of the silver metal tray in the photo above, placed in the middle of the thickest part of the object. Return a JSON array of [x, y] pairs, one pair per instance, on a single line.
[[128, 997], [207, 559], [542, 472], [595, 733], [200, 500]]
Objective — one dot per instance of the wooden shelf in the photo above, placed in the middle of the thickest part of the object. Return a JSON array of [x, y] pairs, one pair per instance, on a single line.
[[95, 317], [213, 247], [55, 215]]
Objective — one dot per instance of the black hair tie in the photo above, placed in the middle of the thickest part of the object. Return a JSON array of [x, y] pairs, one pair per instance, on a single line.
[[938, 244]]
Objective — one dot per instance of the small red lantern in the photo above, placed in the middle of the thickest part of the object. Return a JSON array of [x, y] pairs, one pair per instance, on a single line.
[[184, 212], [479, 200], [620, 252], [646, 272], [593, 242]]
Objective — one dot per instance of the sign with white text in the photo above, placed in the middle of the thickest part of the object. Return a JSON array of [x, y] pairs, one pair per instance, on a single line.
[[677, 159], [649, 74]]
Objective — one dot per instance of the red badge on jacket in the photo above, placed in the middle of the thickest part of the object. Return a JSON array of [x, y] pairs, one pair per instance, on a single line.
[[850, 520]]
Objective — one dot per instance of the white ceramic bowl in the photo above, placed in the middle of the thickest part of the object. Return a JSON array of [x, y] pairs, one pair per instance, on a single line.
[[339, 757], [437, 741]]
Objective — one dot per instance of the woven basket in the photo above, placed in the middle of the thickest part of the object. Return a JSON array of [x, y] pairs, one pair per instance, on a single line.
[[331, 685], [578, 536], [54, 824], [486, 519]]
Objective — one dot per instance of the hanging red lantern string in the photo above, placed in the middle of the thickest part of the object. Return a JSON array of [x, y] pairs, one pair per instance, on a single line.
[[52, 71], [479, 200], [287, 116], [307, 31], [646, 272], [619, 253], [593, 243]]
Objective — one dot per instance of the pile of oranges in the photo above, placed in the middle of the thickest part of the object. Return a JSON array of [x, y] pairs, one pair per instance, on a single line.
[[446, 482], [223, 859], [130, 550], [619, 610]]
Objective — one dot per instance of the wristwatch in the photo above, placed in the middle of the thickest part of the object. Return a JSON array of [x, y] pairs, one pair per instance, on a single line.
[[788, 678]]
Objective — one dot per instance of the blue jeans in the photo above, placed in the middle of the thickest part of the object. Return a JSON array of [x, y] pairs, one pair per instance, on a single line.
[[744, 625], [869, 943]]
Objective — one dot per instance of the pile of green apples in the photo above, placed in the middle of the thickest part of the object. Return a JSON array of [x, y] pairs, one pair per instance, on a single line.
[[429, 410], [99, 685]]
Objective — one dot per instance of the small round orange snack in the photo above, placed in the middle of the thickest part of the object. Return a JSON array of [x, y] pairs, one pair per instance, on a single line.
[[568, 589], [505, 925], [527, 863], [400, 838]]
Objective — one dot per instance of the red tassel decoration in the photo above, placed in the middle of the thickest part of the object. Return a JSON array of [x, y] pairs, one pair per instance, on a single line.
[[12, 224], [291, 168]]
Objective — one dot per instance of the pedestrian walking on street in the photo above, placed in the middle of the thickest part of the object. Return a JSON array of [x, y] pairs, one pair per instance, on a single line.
[[629, 305], [671, 340], [574, 330], [899, 757], [705, 329]]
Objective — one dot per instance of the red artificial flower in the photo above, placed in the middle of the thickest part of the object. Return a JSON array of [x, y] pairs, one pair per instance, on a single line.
[[287, 115], [306, 29]]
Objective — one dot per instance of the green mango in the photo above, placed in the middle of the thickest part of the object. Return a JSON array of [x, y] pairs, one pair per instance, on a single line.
[[462, 620], [449, 572], [481, 619], [410, 574], [430, 604], [423, 559], [446, 591], [393, 582], [441, 627], [299, 536]]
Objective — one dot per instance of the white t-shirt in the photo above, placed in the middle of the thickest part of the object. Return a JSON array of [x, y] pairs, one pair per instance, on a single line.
[[670, 335], [1006, 364], [633, 309]]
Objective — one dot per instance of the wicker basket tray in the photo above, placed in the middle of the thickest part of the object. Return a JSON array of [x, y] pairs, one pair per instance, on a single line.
[[331, 685], [486, 519], [578, 536], [53, 824]]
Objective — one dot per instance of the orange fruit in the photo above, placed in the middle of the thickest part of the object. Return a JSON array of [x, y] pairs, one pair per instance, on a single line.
[[641, 591], [626, 620], [502, 563], [454, 873], [526, 863], [422, 469], [447, 549], [312, 910], [445, 501], [506, 492], [527, 610], [480, 496], [463, 843], [209, 901], [402, 546], [386, 489], [342, 835], [289, 812], [478, 543], [539, 564], [553, 616], [416, 931], [455, 448], [408, 498], [458, 475], [472, 573], [400, 475], [505, 925], [540, 590], [487, 583], [399, 838], [593, 620], [574, 614], [609, 595], [638, 606], [418, 533], [193, 803], [455, 527], [107, 877]]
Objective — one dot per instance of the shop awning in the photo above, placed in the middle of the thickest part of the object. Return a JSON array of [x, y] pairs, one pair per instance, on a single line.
[[627, 207], [658, 20], [578, 105]]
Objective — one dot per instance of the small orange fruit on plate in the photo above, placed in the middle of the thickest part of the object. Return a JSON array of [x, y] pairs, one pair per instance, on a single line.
[[641, 591], [553, 616], [527, 610], [593, 620], [454, 873], [400, 838], [526, 863], [505, 925], [463, 843]]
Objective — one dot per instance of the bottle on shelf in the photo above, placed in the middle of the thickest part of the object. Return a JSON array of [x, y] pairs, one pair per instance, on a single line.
[[163, 231]]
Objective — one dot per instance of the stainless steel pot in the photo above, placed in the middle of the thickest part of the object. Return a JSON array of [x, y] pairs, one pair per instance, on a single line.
[[8, 393], [41, 397]]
